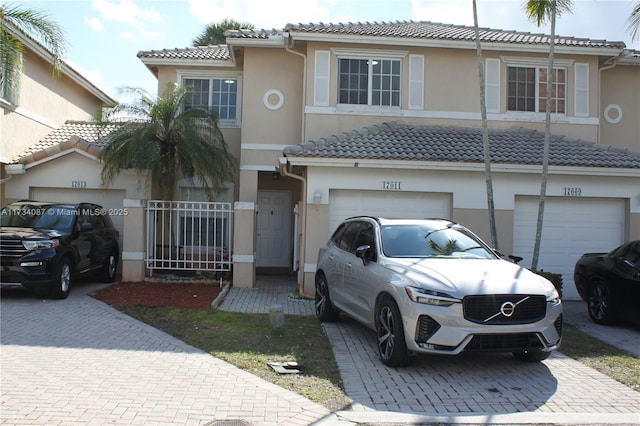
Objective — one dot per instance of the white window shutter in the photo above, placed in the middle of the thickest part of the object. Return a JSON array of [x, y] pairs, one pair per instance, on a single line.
[[416, 82], [322, 72], [492, 85], [581, 95]]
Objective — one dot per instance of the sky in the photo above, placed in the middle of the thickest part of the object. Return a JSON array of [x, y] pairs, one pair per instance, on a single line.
[[104, 36]]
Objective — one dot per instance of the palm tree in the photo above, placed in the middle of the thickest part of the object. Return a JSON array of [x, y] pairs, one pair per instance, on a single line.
[[541, 11], [169, 142], [634, 22], [485, 134], [13, 19], [214, 33]]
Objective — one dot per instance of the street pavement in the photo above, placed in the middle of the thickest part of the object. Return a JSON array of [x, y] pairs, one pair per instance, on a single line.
[[78, 361]]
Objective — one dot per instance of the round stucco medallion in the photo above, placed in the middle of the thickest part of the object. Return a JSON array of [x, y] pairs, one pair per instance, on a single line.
[[269, 98], [613, 113]]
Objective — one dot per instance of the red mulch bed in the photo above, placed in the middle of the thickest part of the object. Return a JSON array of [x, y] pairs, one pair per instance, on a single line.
[[181, 295]]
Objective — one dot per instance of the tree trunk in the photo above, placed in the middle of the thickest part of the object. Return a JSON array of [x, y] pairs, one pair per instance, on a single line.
[[547, 138], [485, 134]]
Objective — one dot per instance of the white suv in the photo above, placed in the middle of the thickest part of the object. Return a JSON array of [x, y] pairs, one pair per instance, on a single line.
[[432, 286]]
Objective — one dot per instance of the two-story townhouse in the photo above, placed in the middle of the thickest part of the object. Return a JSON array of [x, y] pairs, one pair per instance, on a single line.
[[336, 120], [48, 141]]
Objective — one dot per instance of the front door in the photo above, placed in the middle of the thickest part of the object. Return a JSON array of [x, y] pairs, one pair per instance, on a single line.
[[274, 229]]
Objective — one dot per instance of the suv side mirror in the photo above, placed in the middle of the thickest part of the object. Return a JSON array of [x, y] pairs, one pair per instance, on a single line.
[[363, 253]]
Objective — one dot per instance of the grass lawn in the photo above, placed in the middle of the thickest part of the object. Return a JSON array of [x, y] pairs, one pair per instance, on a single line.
[[247, 341]]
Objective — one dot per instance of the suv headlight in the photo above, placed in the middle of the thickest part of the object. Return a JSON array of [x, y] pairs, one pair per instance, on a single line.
[[429, 297], [554, 298], [40, 244]]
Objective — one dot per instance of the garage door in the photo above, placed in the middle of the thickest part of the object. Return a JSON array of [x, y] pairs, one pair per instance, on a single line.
[[571, 227], [348, 203], [109, 199]]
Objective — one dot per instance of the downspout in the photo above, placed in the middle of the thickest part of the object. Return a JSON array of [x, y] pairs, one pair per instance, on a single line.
[[284, 170], [284, 165], [287, 47], [613, 61]]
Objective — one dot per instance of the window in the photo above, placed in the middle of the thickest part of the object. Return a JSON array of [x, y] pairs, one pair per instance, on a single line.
[[369, 82], [221, 94], [527, 88]]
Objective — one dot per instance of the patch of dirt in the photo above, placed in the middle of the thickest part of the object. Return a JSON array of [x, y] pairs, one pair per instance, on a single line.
[[181, 295]]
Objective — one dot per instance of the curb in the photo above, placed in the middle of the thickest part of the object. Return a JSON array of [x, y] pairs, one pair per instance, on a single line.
[[223, 293]]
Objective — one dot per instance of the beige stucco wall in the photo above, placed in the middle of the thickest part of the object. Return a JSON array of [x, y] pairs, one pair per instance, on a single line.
[[621, 87], [61, 172], [451, 93], [45, 102]]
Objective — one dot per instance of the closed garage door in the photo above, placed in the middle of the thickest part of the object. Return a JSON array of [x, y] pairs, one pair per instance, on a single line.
[[348, 203], [110, 199], [571, 227]]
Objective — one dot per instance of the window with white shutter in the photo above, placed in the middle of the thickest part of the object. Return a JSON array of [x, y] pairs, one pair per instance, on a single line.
[[416, 82], [492, 85], [321, 78], [581, 96]]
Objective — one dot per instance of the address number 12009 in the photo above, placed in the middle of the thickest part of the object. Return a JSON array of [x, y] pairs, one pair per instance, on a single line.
[[573, 192]]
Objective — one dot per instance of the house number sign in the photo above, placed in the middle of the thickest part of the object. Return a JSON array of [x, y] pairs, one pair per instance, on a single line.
[[573, 192], [78, 183], [390, 185]]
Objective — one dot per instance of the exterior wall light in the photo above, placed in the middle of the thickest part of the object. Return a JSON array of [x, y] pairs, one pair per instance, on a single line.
[[317, 197]]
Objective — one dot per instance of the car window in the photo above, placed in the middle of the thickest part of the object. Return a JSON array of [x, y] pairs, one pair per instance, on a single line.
[[337, 234], [420, 241], [366, 236], [633, 255], [348, 236], [38, 217]]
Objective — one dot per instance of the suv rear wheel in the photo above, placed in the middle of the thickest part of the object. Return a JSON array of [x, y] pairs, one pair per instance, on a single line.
[[108, 273], [62, 280]]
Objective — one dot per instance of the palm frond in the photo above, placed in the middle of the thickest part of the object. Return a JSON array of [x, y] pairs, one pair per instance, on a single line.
[[169, 143], [633, 22]]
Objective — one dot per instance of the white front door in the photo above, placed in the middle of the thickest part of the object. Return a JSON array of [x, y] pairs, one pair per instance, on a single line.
[[274, 229]]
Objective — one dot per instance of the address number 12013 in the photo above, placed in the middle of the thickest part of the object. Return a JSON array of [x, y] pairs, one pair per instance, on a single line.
[[573, 192]]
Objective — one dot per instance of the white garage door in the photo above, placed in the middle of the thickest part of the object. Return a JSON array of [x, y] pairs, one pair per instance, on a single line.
[[348, 203], [110, 199], [571, 227]]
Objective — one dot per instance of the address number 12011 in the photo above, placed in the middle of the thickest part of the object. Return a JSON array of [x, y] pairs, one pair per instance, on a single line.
[[573, 192], [391, 185]]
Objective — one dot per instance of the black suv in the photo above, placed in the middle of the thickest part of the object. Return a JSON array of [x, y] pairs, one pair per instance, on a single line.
[[45, 245]]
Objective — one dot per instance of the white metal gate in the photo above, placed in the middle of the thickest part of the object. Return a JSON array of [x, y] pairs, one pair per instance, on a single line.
[[189, 235]]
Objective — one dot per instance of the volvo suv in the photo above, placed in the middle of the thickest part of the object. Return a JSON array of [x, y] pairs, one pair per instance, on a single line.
[[43, 246], [432, 286]]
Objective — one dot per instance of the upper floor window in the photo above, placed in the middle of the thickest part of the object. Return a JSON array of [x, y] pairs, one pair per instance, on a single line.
[[221, 94], [369, 82], [527, 89]]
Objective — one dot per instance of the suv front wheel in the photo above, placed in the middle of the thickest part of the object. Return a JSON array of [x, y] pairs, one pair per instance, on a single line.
[[62, 280], [391, 344]]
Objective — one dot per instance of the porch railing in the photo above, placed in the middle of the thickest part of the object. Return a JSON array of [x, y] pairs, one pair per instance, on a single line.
[[189, 235]]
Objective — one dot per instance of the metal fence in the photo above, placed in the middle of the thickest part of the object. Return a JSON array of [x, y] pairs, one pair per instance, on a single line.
[[189, 235]]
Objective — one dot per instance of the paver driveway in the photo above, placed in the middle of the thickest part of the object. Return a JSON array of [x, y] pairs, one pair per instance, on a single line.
[[78, 361]]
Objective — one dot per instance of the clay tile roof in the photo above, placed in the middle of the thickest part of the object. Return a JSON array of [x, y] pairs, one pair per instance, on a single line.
[[400, 141], [439, 31], [256, 34], [87, 136], [205, 53]]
